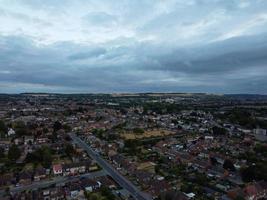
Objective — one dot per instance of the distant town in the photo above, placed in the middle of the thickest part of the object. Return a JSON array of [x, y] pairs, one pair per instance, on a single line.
[[147, 146]]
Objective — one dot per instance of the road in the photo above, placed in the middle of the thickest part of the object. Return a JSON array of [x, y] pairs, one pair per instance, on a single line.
[[57, 180], [121, 180]]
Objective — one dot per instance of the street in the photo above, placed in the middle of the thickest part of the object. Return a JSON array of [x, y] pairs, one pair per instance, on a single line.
[[121, 180], [56, 180]]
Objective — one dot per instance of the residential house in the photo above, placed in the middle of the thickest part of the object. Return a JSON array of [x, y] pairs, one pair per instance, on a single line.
[[107, 181], [117, 159], [143, 177], [74, 190], [56, 193], [40, 173], [25, 177], [10, 132], [57, 169], [28, 140], [6, 179], [256, 191], [174, 196], [74, 168], [158, 187], [90, 185], [42, 140], [234, 193]]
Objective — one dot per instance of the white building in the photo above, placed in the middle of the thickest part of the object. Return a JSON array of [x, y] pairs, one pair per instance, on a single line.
[[259, 131], [11, 132]]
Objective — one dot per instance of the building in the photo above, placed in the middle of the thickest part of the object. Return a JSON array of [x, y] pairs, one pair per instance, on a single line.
[[57, 169]]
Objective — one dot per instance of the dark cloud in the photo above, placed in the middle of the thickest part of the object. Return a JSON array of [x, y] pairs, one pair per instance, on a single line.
[[133, 46], [221, 57], [145, 70]]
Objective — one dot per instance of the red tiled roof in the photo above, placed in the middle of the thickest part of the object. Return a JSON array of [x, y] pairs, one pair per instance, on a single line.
[[57, 167]]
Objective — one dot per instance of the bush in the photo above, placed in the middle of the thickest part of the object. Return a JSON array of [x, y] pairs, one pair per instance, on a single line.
[[138, 130], [255, 172], [42, 155], [21, 129], [13, 153], [3, 128], [218, 130], [228, 165]]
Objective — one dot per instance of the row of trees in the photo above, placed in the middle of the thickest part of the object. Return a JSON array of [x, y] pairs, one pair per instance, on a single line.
[[244, 118], [255, 172], [23, 129], [3, 129], [42, 156], [12, 155], [161, 108], [103, 194]]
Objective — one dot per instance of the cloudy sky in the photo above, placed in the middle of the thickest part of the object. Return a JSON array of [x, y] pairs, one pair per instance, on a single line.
[[79, 46]]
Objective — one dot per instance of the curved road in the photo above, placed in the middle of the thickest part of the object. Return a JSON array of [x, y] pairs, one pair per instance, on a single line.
[[121, 180]]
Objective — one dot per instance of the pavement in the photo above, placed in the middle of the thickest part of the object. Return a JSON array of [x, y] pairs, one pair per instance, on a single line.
[[55, 181], [120, 179]]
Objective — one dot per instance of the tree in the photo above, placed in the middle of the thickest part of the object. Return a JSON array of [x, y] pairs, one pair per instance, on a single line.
[[94, 196], [21, 128], [178, 170], [66, 127], [57, 126], [239, 198], [98, 133], [3, 128], [261, 149], [256, 172], [107, 193], [213, 161], [2, 155], [46, 157], [186, 187], [132, 147], [42, 155], [242, 117], [45, 130], [69, 150], [138, 130], [7, 191], [13, 153], [248, 174], [218, 130], [228, 164], [201, 179]]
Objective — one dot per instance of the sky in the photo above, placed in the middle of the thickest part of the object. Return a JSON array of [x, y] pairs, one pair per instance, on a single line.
[[108, 46]]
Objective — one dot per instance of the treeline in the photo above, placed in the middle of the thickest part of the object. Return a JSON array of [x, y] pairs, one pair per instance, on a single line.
[[162, 108], [25, 129], [244, 118]]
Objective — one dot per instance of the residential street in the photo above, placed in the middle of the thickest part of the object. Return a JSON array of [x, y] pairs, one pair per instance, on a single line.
[[121, 180], [56, 180]]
